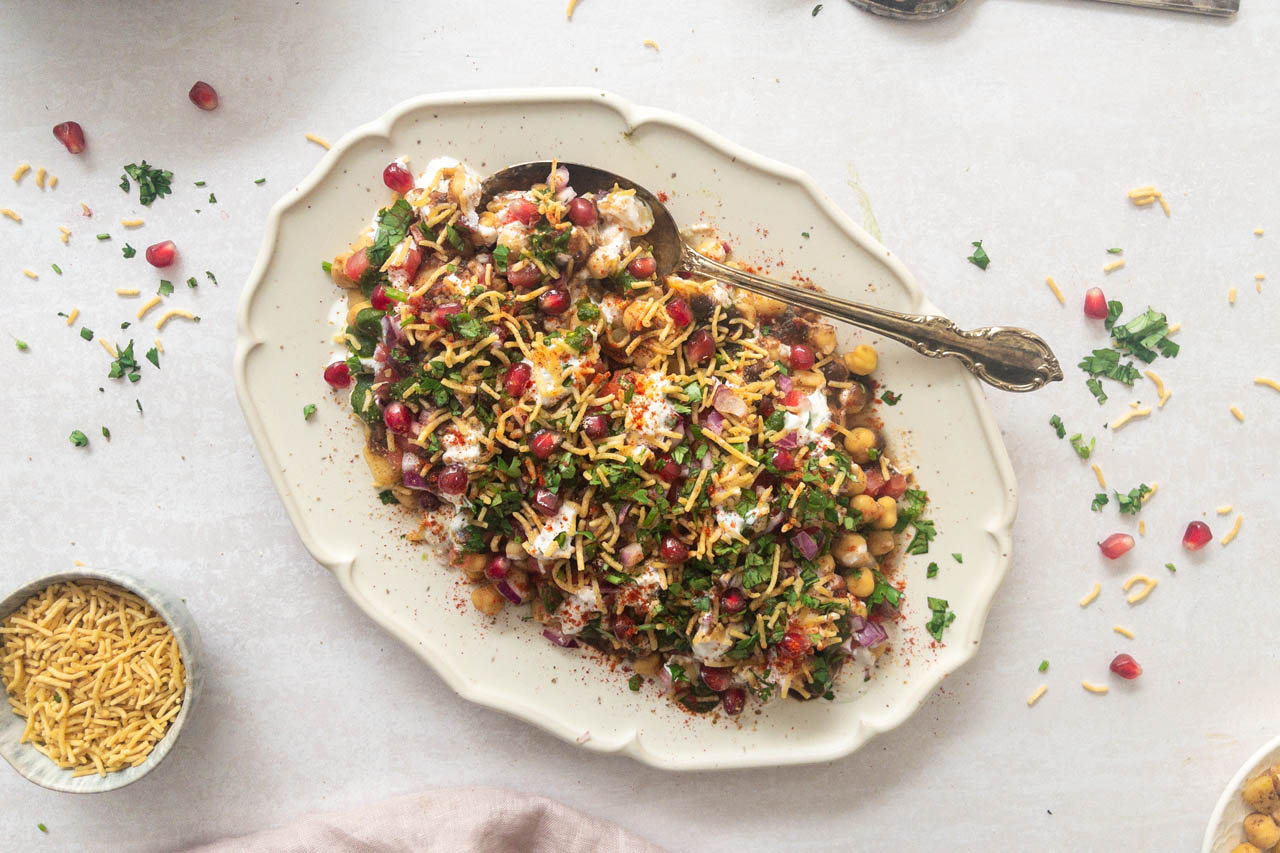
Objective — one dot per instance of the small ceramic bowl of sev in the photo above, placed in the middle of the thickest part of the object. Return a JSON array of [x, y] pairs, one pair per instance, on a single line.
[[99, 671]]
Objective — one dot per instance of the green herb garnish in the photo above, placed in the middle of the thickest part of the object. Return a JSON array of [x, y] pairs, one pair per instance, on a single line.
[[1099, 501], [942, 618], [153, 356], [979, 257], [634, 683], [86, 333], [1084, 451], [931, 571], [152, 183], [388, 497], [308, 410], [1131, 503], [213, 199], [79, 439], [890, 398], [191, 282], [1171, 567], [165, 289], [1044, 666], [1056, 423], [128, 251], [125, 364], [56, 268], [20, 344]]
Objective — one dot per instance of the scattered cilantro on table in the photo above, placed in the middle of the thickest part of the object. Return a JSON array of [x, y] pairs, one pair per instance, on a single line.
[[78, 438], [152, 183], [1099, 501], [942, 618], [21, 345], [308, 410], [165, 289], [931, 571], [1056, 423], [128, 251], [1044, 666], [979, 257], [1131, 503], [814, 14]]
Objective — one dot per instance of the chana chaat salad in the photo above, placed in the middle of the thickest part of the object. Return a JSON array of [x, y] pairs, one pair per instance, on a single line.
[[687, 478]]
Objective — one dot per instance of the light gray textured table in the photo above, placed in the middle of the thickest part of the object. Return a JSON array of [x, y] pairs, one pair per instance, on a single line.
[[1019, 122]]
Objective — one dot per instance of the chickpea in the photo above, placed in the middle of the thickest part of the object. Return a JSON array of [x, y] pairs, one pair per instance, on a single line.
[[861, 360], [888, 513], [1245, 847], [867, 506], [859, 442], [851, 550], [473, 565], [1261, 794], [881, 541], [826, 564], [514, 550], [487, 600], [355, 309], [1261, 831], [854, 398], [823, 338], [648, 664], [864, 585], [856, 481]]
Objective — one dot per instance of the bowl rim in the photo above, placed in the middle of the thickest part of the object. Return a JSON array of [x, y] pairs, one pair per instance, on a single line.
[[1234, 789], [998, 528], [172, 611]]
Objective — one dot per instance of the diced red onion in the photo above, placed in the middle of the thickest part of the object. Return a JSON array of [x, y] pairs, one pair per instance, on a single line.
[[706, 462], [564, 641], [624, 511], [784, 382], [566, 195], [871, 635], [664, 679], [391, 331], [560, 178], [509, 592], [790, 441], [631, 554], [413, 480], [774, 521], [714, 422], [804, 543], [728, 403]]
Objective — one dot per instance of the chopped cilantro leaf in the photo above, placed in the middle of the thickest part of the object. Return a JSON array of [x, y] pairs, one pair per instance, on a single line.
[[79, 439], [1114, 309], [1044, 666], [1099, 501], [890, 398], [138, 403], [56, 268], [124, 365], [1131, 503], [466, 326], [814, 14], [191, 282], [393, 227], [211, 277], [104, 236], [931, 571], [959, 558], [942, 618], [634, 682], [128, 251], [213, 199], [500, 256], [85, 333], [979, 257], [106, 433], [21, 345], [1084, 451], [41, 826], [588, 311], [1095, 388], [152, 183], [327, 266], [1115, 251], [260, 181], [308, 410], [387, 497], [1056, 423], [1171, 567], [199, 183], [153, 356], [165, 289]]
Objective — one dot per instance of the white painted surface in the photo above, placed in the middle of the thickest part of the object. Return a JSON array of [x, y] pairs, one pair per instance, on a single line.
[[1020, 122]]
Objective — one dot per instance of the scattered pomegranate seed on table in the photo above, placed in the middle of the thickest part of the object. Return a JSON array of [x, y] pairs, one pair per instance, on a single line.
[[70, 134], [203, 96], [1116, 545], [162, 254], [1126, 667], [1095, 304], [1197, 536]]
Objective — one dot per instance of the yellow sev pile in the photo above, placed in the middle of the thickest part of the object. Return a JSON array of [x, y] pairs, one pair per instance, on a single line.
[[95, 672]]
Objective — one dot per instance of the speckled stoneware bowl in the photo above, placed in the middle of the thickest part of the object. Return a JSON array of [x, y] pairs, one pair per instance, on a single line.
[[1226, 826], [35, 766]]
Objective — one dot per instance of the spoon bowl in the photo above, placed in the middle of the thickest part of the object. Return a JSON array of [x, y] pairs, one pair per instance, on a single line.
[[1010, 359], [921, 10]]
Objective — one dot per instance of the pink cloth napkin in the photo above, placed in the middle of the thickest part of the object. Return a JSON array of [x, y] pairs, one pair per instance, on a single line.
[[457, 820]]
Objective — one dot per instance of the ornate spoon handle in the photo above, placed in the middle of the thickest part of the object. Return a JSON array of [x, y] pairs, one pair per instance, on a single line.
[[1006, 358]]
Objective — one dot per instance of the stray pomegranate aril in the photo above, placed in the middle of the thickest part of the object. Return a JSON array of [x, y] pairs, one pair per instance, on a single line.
[[1116, 545], [792, 398], [517, 379], [699, 347], [453, 479], [554, 301], [794, 644], [670, 471], [784, 460], [379, 299], [679, 312], [717, 677], [523, 276], [802, 357], [1197, 536], [733, 601], [672, 550], [162, 254], [547, 501], [582, 212], [733, 700], [356, 265], [203, 96], [543, 443], [895, 487], [70, 134], [1126, 667], [497, 568], [397, 416], [643, 267], [397, 177], [441, 313], [523, 210], [1095, 304], [595, 426], [338, 374]]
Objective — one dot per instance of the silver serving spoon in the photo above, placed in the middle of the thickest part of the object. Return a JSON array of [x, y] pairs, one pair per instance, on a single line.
[[1007, 358], [922, 9]]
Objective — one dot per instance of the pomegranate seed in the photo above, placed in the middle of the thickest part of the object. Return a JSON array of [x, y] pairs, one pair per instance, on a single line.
[[699, 347], [543, 443], [595, 426], [338, 374], [162, 254], [498, 567], [1126, 667], [794, 644], [524, 276], [523, 210], [624, 626], [453, 479], [397, 417], [441, 313], [680, 312], [1116, 545], [412, 260], [517, 379], [379, 299], [733, 701], [547, 501], [1095, 304], [554, 301], [673, 550], [802, 357], [70, 134], [582, 212], [783, 460], [397, 178], [717, 678], [1197, 536], [643, 267], [356, 265], [203, 96], [671, 471], [733, 601], [793, 397]]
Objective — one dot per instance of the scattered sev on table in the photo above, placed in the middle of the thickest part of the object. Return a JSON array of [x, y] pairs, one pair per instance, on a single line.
[[650, 43], [1235, 529], [568, 11], [1114, 265], [1056, 292], [1035, 697], [96, 673], [1149, 583], [4, 211], [1231, 295], [1122, 631], [132, 223], [1128, 416], [1094, 688], [1223, 510], [1239, 415], [1093, 594], [1144, 196], [1270, 383], [1097, 472], [22, 169], [322, 142], [169, 315]]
